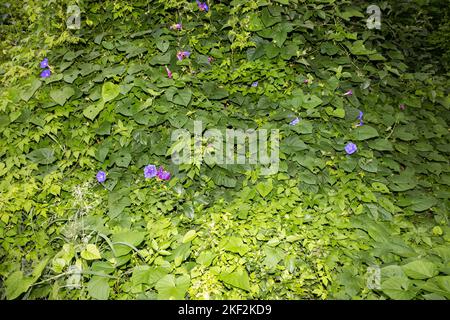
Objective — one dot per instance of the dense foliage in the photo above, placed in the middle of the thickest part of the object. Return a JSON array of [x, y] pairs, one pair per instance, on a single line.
[[317, 229]]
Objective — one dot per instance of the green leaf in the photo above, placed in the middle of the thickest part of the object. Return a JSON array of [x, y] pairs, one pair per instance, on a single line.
[[422, 203], [91, 252], [16, 284], [214, 92], [264, 188], [162, 44], [104, 129], [292, 144], [37, 271], [364, 132], [171, 288], [234, 244], [238, 279], [121, 159], [161, 59], [62, 95], [273, 256], [42, 156], [98, 288], [311, 101], [405, 133], [380, 187], [183, 97], [147, 275], [110, 91], [220, 178], [339, 113], [381, 145], [398, 288], [180, 254], [402, 182], [304, 127], [438, 285], [130, 238], [30, 89], [92, 111], [205, 258], [358, 48], [189, 236], [369, 165], [420, 269]]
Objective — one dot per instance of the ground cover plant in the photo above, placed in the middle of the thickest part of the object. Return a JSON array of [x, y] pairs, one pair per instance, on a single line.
[[93, 207]]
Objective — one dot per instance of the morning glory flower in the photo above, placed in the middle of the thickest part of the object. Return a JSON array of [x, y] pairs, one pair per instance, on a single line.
[[255, 84], [348, 93], [202, 6], [162, 174], [165, 175], [176, 26], [360, 118], [294, 122], [46, 73], [169, 73], [149, 171], [351, 148], [101, 176], [183, 54], [360, 115], [44, 63]]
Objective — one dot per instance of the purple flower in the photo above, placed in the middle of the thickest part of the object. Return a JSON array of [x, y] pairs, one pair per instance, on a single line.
[[348, 93], [176, 26], [306, 81], [44, 63], [101, 176], [183, 54], [350, 148], [255, 84], [162, 174], [402, 106], [360, 118], [294, 122], [210, 59], [360, 115], [46, 73], [169, 73], [149, 171], [202, 6]]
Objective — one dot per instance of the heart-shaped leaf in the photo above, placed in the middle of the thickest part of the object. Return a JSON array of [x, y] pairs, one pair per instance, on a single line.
[[264, 188], [110, 91], [62, 95]]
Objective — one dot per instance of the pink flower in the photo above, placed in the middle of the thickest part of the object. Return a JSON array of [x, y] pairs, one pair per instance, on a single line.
[[348, 93], [162, 174], [176, 26], [169, 73], [306, 81], [183, 54], [402, 106], [210, 59]]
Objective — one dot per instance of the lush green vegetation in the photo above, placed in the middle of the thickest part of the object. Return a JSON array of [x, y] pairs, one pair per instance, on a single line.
[[320, 228]]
